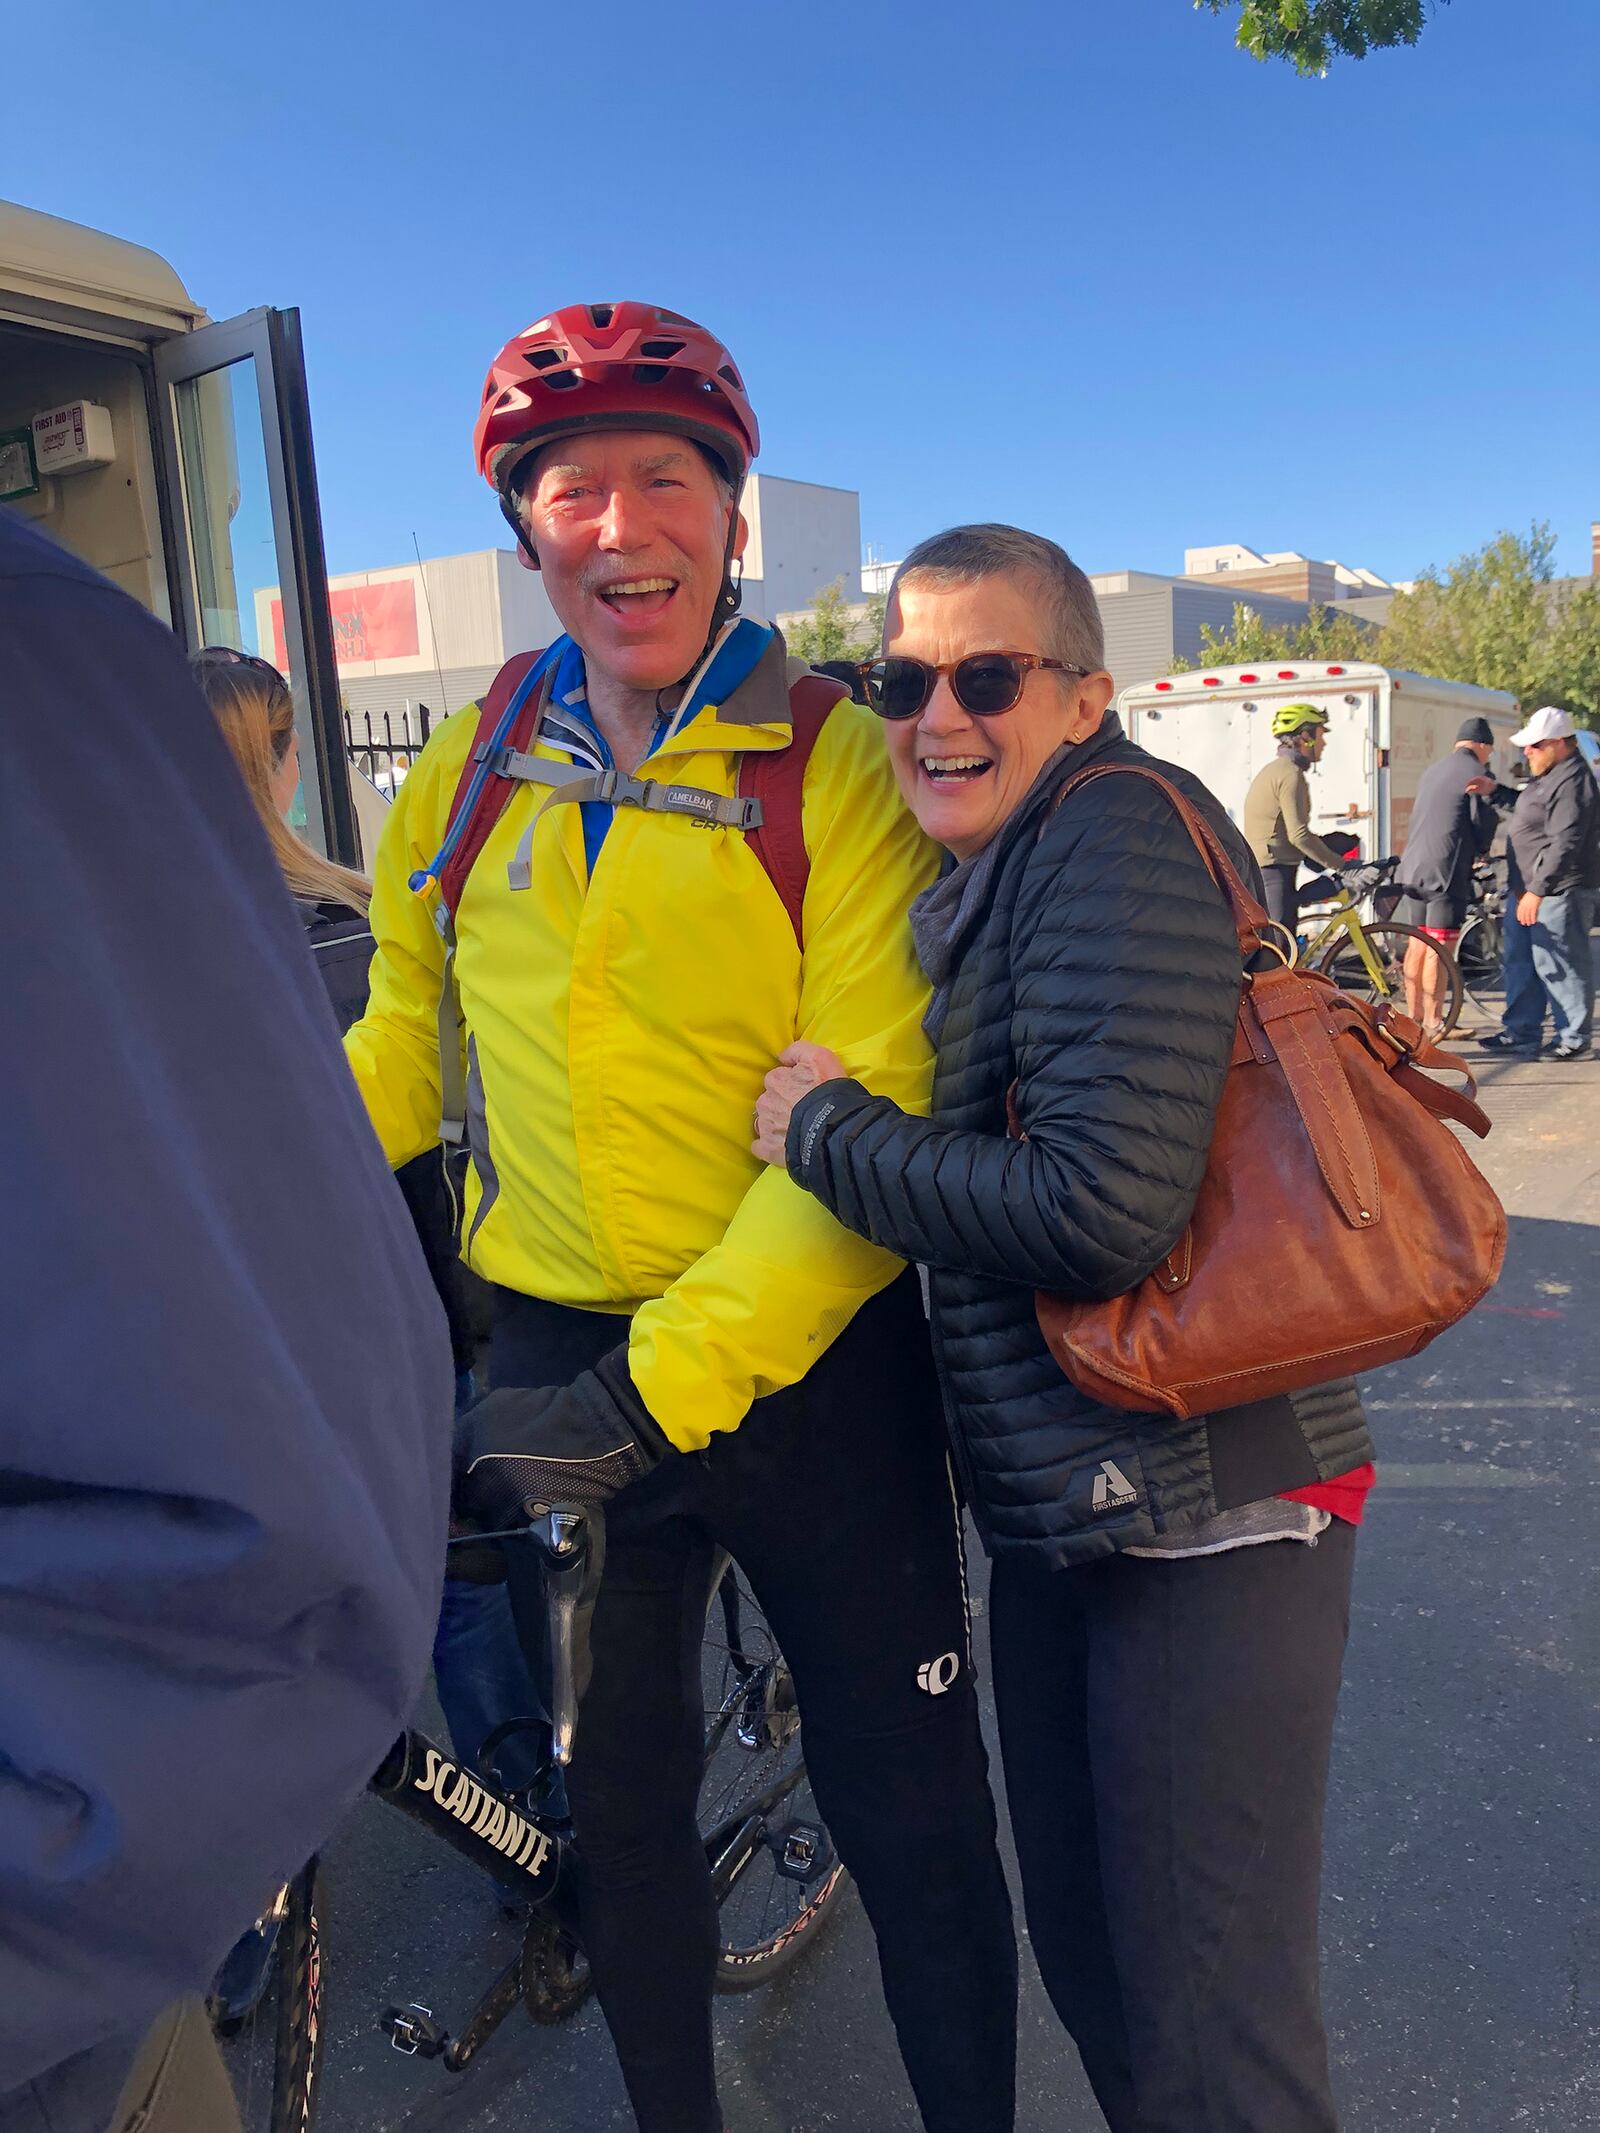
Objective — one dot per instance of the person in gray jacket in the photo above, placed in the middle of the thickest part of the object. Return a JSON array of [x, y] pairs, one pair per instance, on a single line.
[[223, 1466], [1554, 891]]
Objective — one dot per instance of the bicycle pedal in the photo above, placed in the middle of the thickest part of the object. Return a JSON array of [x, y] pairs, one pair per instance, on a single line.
[[801, 1851], [413, 2030]]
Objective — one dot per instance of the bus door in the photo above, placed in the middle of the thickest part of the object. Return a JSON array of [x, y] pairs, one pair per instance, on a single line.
[[240, 494]]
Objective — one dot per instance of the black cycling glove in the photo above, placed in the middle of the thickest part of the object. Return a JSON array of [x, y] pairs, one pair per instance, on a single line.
[[574, 1445]]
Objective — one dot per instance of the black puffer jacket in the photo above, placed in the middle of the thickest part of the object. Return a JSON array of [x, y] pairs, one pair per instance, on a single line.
[[1102, 977]]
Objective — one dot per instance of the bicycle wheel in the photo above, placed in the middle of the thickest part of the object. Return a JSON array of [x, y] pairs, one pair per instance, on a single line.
[[266, 2006], [774, 1869], [1480, 951], [1348, 968]]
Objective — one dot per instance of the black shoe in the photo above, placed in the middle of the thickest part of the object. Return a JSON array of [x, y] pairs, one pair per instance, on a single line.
[[1512, 1047], [1568, 1051]]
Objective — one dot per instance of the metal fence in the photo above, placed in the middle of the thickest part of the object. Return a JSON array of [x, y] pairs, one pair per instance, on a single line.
[[384, 748]]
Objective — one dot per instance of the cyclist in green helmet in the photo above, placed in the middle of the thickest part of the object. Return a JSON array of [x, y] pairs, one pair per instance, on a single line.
[[1277, 810]]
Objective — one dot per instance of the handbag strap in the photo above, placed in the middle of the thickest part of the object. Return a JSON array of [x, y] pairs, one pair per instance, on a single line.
[[1249, 917], [1298, 1025]]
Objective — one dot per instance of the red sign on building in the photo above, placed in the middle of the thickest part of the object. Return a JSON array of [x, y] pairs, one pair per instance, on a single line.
[[369, 622]]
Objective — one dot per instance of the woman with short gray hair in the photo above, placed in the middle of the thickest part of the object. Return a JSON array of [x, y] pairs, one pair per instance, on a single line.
[[1169, 1599]]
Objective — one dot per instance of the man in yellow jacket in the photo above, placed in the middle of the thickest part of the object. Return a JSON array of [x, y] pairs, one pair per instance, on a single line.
[[715, 1352]]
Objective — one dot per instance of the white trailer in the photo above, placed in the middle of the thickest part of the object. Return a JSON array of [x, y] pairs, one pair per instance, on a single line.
[[1384, 729]]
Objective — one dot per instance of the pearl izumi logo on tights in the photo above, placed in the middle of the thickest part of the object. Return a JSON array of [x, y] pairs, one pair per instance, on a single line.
[[938, 1675]]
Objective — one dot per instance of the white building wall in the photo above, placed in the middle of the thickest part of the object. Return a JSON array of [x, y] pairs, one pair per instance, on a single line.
[[463, 607], [1230, 555], [526, 618], [802, 537]]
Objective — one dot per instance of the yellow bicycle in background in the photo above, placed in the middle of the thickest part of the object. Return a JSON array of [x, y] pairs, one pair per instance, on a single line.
[[1366, 957]]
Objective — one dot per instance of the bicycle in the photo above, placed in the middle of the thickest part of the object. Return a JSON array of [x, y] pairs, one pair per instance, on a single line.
[[1366, 958], [775, 1876], [1481, 948]]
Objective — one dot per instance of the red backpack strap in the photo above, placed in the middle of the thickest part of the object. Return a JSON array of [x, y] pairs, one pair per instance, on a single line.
[[776, 777], [497, 790]]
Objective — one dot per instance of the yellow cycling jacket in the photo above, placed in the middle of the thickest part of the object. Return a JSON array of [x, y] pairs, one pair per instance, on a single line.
[[619, 1030]]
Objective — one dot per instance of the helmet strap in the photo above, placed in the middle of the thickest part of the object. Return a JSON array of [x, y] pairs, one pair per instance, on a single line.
[[731, 597]]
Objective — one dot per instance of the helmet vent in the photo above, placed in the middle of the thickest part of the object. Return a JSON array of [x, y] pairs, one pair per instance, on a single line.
[[545, 358], [649, 373], [660, 349], [565, 381], [674, 318], [730, 376], [601, 313]]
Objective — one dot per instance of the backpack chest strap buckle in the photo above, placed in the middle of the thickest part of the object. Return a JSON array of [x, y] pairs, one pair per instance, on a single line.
[[615, 788]]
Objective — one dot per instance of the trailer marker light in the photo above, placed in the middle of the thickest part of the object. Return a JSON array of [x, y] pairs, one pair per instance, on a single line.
[[1286, 673], [1336, 670], [1249, 677], [1163, 685], [1211, 681]]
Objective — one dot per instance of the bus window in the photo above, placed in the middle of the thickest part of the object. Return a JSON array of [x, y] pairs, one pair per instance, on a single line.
[[227, 503], [241, 487]]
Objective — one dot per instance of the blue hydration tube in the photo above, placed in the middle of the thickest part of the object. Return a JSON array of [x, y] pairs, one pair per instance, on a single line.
[[426, 879]]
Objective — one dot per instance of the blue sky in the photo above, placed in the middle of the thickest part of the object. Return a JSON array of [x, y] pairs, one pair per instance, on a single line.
[[1084, 267]]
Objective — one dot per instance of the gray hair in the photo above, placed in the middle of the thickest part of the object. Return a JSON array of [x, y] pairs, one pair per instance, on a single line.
[[1070, 613]]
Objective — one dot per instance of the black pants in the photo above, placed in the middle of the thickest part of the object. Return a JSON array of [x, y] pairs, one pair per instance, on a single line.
[[835, 1500], [1165, 1730], [1283, 898]]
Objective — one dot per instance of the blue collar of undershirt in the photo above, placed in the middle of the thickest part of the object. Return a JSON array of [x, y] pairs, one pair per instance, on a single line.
[[739, 651]]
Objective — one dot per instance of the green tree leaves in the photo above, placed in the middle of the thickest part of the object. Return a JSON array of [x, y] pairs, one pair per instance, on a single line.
[[1498, 616], [1325, 634], [1313, 33], [835, 629]]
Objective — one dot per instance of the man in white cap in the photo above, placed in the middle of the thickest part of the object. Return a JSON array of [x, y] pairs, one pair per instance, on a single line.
[[1555, 887]]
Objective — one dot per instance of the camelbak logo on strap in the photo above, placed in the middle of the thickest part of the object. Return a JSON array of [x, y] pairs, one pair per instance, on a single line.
[[576, 783]]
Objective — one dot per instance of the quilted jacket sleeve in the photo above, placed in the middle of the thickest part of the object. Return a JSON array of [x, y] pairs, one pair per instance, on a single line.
[[1125, 985]]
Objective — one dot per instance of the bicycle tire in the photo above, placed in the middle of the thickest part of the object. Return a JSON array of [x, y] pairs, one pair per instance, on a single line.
[[1389, 942], [273, 2052], [1480, 951], [763, 1832]]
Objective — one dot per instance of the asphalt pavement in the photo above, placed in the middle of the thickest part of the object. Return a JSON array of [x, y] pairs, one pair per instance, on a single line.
[[1462, 1958]]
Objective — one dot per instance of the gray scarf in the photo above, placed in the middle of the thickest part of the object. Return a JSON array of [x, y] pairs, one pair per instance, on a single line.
[[942, 916]]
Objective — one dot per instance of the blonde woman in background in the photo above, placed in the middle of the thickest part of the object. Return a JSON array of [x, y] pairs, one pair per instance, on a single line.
[[479, 1670]]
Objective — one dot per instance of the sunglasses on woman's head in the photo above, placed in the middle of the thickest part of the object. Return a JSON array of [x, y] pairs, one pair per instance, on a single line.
[[226, 656], [984, 683]]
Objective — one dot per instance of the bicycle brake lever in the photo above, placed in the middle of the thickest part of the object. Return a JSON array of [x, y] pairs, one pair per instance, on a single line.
[[571, 1543]]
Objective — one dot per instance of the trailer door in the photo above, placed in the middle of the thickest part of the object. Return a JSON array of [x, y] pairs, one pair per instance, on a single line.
[[240, 490]]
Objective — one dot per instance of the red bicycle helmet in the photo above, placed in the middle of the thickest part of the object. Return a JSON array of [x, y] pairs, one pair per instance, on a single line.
[[608, 367]]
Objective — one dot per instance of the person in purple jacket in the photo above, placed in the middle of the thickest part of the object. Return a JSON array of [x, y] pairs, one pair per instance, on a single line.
[[222, 1470]]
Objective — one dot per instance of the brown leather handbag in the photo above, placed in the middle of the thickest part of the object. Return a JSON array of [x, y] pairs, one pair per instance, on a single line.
[[1340, 1223]]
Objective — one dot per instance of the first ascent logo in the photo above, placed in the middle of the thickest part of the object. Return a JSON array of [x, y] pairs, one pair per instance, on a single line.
[[939, 1675], [523, 1842], [1113, 1491]]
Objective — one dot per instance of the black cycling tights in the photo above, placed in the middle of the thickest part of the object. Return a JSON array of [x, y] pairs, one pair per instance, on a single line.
[[835, 1500]]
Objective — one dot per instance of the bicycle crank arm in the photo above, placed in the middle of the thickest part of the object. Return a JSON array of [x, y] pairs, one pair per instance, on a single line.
[[504, 1995], [730, 1849]]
